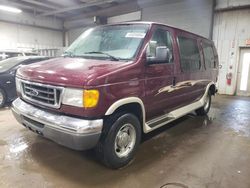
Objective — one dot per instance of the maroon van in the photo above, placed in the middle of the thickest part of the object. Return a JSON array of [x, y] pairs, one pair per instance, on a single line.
[[115, 83]]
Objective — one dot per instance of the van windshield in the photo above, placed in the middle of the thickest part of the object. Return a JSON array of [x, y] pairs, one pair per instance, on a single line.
[[114, 42]]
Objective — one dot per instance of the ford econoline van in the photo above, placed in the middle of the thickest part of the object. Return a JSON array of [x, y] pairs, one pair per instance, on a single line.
[[116, 83]]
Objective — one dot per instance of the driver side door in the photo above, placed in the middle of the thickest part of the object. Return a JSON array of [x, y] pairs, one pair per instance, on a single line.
[[159, 76]]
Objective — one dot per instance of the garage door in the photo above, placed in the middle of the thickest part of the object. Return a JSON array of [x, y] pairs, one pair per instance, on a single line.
[[193, 15]]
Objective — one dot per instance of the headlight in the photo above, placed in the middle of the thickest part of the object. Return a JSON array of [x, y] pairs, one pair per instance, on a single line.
[[80, 98], [18, 85], [73, 97]]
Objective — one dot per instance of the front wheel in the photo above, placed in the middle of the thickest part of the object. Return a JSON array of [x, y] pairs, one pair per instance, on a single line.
[[205, 109], [119, 141]]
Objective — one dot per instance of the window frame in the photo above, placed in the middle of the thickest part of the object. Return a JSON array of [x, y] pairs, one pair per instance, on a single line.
[[203, 43], [165, 29], [197, 43]]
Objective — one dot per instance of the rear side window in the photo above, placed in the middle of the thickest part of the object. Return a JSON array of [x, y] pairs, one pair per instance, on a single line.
[[189, 54], [208, 55]]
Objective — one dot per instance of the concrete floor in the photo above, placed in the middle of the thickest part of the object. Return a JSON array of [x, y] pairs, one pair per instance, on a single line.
[[193, 152]]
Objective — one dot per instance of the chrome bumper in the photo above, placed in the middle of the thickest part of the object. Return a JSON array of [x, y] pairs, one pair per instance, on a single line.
[[75, 133]]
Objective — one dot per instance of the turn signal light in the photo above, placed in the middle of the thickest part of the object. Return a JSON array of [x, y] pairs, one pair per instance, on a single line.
[[90, 98]]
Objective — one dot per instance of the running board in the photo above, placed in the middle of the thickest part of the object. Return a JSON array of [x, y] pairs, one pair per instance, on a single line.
[[171, 116], [159, 120]]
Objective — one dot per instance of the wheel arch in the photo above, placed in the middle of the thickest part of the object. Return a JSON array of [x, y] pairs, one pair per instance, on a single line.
[[131, 104], [212, 88]]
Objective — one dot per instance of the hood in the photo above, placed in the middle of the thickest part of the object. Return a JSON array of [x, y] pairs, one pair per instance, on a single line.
[[76, 72]]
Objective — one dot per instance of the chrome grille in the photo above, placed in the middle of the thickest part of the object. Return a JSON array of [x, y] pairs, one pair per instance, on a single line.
[[46, 95]]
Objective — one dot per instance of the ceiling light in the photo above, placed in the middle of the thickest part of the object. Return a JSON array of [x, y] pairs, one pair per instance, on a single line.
[[10, 9]]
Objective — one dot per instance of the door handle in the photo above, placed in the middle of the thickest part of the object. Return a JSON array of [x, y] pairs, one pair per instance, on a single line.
[[174, 81]]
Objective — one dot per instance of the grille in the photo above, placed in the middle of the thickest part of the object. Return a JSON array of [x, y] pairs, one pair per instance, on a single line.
[[42, 94]]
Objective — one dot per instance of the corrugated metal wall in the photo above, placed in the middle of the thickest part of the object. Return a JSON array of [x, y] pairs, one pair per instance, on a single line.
[[231, 30], [14, 36], [74, 33], [191, 15], [231, 3]]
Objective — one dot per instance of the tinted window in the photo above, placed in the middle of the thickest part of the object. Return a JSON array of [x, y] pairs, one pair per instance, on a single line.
[[189, 54], [161, 37], [208, 55]]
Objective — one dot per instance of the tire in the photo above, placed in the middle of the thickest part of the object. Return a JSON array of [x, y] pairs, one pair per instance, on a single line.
[[2, 98], [119, 130], [205, 109]]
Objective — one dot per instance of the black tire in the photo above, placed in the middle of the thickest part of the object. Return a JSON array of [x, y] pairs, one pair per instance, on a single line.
[[105, 149], [205, 109], [3, 100]]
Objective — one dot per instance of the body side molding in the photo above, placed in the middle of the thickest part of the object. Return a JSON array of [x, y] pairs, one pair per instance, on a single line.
[[171, 116]]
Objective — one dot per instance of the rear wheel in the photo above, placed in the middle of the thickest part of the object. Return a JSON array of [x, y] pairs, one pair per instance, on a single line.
[[119, 141], [2, 98], [205, 109]]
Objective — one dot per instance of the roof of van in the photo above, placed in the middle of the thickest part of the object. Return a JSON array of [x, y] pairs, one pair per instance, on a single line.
[[158, 23]]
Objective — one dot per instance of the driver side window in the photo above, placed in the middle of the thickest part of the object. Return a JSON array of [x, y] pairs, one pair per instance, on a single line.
[[161, 38]]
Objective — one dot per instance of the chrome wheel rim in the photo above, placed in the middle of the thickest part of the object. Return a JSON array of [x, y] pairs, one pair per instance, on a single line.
[[1, 98], [125, 140], [207, 101]]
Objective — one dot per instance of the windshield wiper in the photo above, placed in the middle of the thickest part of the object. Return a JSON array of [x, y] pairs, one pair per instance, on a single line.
[[110, 56]]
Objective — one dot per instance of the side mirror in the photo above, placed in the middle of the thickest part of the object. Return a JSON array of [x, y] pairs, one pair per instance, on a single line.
[[162, 55]]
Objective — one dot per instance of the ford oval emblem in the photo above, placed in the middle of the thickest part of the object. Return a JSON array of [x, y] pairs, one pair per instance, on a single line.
[[34, 92]]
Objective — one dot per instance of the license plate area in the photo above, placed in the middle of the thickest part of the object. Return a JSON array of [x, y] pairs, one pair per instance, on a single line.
[[33, 125]]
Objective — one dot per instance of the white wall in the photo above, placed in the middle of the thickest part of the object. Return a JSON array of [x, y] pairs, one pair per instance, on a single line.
[[15, 35], [29, 31], [231, 30], [32, 20]]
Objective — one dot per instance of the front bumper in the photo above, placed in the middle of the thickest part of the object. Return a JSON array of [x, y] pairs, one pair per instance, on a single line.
[[75, 133]]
